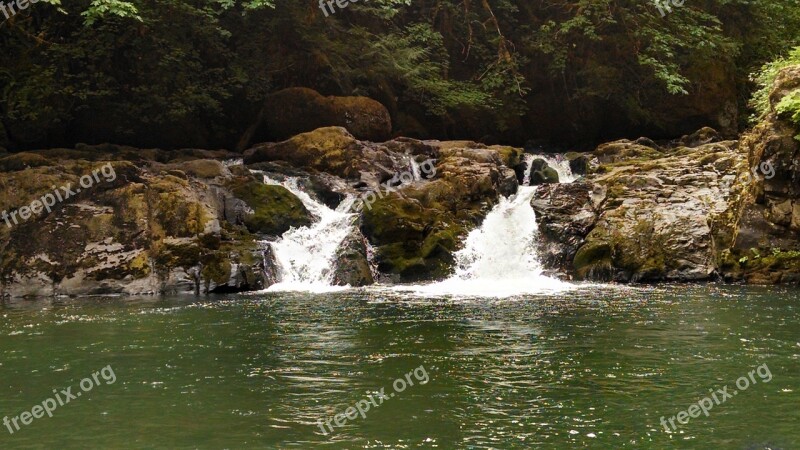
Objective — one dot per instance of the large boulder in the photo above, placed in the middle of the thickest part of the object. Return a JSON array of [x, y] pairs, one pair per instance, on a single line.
[[329, 149], [542, 173], [352, 268], [667, 214], [298, 110]]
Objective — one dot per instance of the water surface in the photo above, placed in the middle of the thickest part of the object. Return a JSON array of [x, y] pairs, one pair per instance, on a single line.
[[594, 367]]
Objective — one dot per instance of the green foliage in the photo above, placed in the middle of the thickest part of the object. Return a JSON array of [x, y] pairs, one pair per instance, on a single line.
[[765, 79], [135, 68], [103, 8], [789, 107]]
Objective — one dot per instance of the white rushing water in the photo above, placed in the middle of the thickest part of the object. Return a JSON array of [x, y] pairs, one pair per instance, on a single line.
[[499, 259], [306, 255], [526, 180]]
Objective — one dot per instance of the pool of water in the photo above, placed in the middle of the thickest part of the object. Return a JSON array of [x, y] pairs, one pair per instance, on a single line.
[[594, 367]]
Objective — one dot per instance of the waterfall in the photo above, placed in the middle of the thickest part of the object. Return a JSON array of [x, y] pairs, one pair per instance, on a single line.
[[499, 259], [306, 256], [526, 181]]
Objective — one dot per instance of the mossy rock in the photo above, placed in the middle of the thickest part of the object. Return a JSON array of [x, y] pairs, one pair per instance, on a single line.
[[625, 151], [22, 161], [594, 261], [763, 266], [201, 168], [511, 156], [413, 241], [329, 149], [65, 154], [393, 218], [174, 212], [544, 176], [275, 209]]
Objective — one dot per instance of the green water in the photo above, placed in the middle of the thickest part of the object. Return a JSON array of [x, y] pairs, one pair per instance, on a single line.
[[595, 368]]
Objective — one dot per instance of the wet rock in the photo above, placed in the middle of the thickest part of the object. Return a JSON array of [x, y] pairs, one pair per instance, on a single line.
[[330, 149], [542, 173], [416, 229], [624, 150], [703, 136], [271, 209], [665, 216], [647, 142], [565, 214], [352, 266], [579, 164]]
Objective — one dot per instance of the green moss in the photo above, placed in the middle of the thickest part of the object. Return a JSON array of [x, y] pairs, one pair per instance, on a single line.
[[593, 261], [169, 256], [216, 268], [139, 267], [275, 208], [789, 109]]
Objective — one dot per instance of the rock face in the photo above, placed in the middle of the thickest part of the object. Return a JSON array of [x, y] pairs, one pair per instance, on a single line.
[[644, 214], [565, 214], [767, 245], [299, 110], [352, 266], [150, 228]]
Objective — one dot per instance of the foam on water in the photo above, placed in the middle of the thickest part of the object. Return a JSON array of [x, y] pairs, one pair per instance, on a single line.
[[306, 256]]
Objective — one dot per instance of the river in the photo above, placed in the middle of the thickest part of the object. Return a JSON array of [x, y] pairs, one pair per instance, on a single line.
[[590, 367]]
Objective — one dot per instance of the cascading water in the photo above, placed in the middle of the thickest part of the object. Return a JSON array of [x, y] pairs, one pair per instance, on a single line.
[[306, 256], [499, 258], [526, 180]]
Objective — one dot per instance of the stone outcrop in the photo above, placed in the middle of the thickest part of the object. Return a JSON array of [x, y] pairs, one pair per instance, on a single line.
[[645, 214], [767, 245], [565, 214], [542, 173], [183, 226]]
